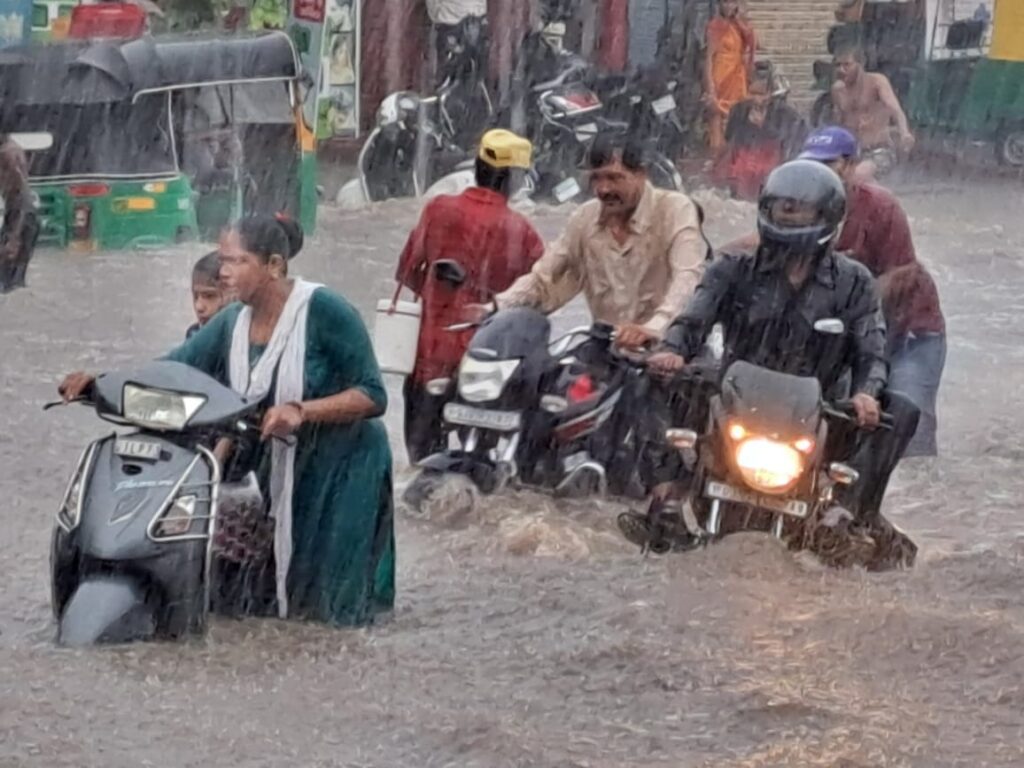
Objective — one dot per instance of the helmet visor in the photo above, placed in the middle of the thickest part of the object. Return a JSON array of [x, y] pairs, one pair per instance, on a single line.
[[787, 213]]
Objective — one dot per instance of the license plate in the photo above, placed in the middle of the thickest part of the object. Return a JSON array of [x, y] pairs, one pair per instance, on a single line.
[[137, 449], [791, 507], [566, 190], [467, 416], [664, 104]]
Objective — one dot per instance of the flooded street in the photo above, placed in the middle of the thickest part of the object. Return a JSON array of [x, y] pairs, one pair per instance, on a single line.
[[527, 633]]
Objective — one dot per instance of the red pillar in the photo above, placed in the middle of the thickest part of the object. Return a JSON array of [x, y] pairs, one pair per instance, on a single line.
[[393, 38], [613, 38]]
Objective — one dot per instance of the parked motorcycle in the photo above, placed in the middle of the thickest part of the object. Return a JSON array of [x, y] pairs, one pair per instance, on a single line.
[[132, 548], [464, 104], [761, 464], [546, 413], [646, 103], [406, 153]]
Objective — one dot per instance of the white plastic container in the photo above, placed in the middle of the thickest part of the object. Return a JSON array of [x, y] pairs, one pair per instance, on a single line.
[[396, 336]]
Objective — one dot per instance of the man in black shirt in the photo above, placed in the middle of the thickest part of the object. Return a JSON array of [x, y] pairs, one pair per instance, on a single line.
[[769, 303]]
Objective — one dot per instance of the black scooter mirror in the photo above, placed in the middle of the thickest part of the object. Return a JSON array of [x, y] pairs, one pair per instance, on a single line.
[[450, 272]]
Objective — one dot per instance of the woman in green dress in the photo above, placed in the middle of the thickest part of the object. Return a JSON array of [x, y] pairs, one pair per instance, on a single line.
[[307, 351]]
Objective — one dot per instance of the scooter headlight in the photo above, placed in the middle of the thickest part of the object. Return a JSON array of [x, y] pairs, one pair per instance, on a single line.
[[159, 409], [768, 465], [177, 520], [70, 511], [481, 381]]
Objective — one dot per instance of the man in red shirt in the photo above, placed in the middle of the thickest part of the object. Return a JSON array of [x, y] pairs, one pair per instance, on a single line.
[[493, 244], [877, 234]]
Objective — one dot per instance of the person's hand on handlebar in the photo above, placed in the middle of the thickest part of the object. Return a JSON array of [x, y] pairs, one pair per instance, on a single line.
[[665, 365], [75, 385], [282, 421], [867, 410], [477, 313], [633, 337]]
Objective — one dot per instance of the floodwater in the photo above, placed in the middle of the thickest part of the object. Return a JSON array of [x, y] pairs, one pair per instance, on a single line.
[[526, 633]]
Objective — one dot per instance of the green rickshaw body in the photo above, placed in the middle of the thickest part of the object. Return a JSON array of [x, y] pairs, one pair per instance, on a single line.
[[977, 97], [160, 140], [91, 215]]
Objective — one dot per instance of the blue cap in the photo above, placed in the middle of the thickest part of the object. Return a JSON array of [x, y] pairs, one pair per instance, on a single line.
[[831, 143]]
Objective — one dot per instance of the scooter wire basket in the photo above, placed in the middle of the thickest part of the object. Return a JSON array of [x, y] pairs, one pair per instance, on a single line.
[[244, 532]]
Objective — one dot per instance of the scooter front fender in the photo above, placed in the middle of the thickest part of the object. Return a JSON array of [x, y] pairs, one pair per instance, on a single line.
[[106, 609]]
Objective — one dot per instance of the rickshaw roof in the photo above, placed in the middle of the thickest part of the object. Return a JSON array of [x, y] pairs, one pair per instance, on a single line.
[[102, 71]]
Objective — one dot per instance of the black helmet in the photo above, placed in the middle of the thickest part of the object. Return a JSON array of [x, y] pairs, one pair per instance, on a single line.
[[804, 184]]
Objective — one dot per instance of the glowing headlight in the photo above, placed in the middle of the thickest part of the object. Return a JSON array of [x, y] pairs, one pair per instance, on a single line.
[[482, 381], [177, 520], [157, 409], [768, 465]]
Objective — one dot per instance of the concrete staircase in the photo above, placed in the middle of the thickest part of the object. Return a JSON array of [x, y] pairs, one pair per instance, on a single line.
[[792, 34]]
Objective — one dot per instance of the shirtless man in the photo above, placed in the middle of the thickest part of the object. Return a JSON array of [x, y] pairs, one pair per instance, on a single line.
[[866, 104]]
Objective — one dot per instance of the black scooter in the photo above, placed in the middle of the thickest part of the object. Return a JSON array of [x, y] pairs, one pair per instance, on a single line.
[[132, 547], [547, 413]]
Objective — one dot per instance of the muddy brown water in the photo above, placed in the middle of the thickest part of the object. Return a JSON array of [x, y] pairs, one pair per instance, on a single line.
[[526, 633]]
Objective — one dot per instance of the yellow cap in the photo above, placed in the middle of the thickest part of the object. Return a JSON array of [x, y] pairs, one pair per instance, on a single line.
[[503, 149]]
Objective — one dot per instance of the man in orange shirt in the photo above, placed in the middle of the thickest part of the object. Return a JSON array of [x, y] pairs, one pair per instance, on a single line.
[[730, 60]]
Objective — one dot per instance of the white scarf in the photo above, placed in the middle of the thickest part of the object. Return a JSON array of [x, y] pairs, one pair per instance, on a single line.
[[286, 353]]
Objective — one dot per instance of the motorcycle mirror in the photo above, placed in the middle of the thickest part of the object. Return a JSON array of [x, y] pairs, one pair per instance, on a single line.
[[830, 325], [449, 271]]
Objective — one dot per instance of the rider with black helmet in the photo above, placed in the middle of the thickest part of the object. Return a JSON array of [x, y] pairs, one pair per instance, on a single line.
[[768, 304]]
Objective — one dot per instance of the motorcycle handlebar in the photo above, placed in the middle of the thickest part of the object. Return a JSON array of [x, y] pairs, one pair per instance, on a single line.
[[845, 411]]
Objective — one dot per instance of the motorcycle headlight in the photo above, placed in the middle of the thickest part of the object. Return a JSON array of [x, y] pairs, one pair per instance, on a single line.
[[177, 520], [481, 381], [70, 511], [768, 465], [157, 409]]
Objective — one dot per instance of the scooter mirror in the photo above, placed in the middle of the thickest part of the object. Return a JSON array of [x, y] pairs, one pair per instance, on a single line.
[[449, 271]]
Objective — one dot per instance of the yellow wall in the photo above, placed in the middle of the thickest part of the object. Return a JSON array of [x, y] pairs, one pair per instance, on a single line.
[[1008, 31]]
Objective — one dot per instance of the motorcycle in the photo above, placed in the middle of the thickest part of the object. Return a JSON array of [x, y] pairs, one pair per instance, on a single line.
[[647, 104], [761, 464], [547, 413], [406, 153], [132, 548], [464, 104]]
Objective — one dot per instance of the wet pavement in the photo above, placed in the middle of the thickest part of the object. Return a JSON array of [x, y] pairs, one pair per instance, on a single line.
[[526, 633]]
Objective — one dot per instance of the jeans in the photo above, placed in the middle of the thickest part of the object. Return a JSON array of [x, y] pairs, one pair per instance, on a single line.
[[873, 453], [916, 363]]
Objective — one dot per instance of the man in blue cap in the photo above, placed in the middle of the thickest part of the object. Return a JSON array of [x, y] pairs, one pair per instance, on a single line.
[[877, 234]]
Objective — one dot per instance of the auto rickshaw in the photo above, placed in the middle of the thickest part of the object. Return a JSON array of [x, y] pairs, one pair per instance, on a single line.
[[160, 139], [959, 73]]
